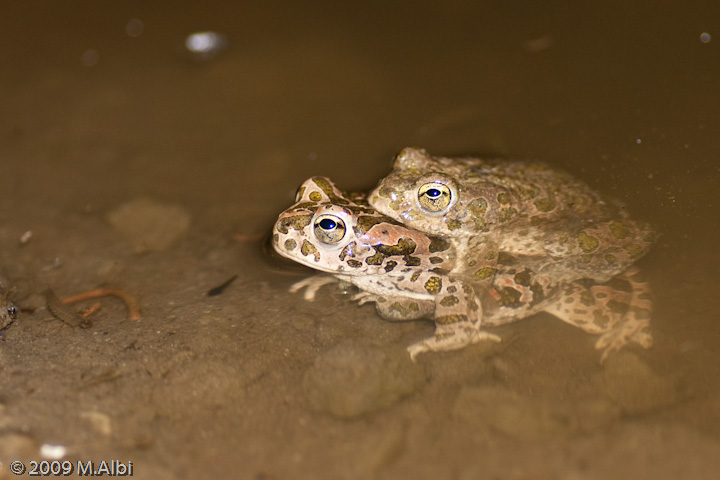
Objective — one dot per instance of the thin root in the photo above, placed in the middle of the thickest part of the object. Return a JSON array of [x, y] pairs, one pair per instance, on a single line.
[[132, 305], [90, 310]]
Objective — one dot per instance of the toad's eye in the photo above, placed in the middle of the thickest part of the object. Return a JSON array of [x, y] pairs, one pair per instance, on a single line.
[[329, 229], [434, 197]]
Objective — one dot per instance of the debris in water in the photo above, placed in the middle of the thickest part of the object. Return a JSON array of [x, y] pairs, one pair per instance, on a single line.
[[221, 288], [204, 46]]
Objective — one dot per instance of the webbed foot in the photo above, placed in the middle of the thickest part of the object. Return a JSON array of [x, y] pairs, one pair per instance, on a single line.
[[312, 285], [628, 332], [453, 338]]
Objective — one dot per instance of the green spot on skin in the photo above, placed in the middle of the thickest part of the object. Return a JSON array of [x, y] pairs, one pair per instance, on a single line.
[[620, 284], [506, 259], [619, 230], [385, 192], [478, 210], [290, 244], [435, 260], [503, 198], [315, 196], [304, 206], [586, 258], [451, 289], [296, 222], [405, 246], [438, 245], [587, 243], [610, 258], [507, 214], [538, 294], [618, 308], [415, 275], [411, 261], [587, 299], [354, 263], [484, 273], [309, 249], [449, 301], [366, 222], [405, 311], [327, 189], [523, 278], [600, 318], [433, 285], [544, 204], [452, 224], [376, 259], [478, 207], [509, 297], [389, 266], [634, 250], [642, 313], [448, 319]]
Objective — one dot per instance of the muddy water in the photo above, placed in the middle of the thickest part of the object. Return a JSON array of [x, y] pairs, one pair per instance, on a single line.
[[104, 114]]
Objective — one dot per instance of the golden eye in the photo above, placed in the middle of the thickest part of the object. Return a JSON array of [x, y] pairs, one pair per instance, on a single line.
[[329, 229], [434, 197]]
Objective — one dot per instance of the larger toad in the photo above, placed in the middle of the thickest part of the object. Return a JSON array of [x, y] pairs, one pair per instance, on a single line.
[[518, 207]]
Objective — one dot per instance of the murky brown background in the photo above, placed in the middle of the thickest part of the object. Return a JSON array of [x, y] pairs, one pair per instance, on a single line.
[[257, 383]]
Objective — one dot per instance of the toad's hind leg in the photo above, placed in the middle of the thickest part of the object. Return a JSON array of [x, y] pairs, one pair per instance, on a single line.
[[619, 310]]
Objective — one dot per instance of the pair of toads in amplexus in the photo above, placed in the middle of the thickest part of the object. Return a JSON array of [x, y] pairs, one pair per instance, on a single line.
[[473, 243]]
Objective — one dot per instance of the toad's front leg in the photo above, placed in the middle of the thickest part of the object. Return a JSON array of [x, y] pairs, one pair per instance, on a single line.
[[458, 316]]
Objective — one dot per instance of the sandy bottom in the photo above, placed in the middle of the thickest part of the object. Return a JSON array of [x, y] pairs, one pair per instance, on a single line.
[[158, 175]]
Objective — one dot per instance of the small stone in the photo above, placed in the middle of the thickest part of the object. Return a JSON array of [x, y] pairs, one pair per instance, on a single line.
[[353, 379], [16, 445], [509, 413], [99, 421], [635, 387], [150, 225]]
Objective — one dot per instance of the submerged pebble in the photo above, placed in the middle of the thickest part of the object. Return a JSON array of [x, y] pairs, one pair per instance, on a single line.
[[508, 412], [635, 387], [353, 379], [150, 225]]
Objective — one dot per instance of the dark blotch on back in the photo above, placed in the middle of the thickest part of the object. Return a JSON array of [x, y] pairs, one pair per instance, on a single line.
[[438, 244], [327, 188], [366, 222], [405, 246], [297, 222]]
